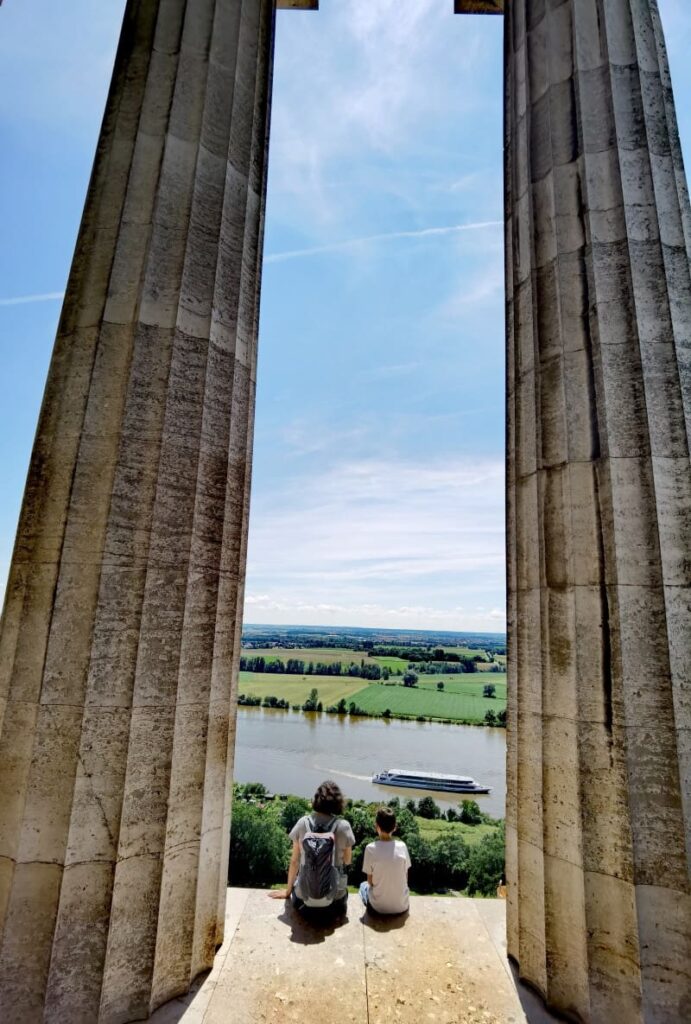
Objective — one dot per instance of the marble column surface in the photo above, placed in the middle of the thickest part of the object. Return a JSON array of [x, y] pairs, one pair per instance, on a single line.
[[120, 634], [599, 513]]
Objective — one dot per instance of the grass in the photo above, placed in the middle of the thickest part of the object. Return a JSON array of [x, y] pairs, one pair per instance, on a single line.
[[296, 689], [434, 829], [313, 654], [468, 685], [460, 701], [415, 701], [390, 663]]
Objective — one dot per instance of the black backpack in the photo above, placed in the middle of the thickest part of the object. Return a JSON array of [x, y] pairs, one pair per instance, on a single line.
[[318, 874]]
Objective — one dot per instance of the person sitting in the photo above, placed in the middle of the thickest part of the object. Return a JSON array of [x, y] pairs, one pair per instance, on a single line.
[[322, 850], [386, 865]]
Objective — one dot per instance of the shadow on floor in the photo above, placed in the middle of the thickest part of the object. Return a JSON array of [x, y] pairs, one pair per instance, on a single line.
[[309, 931], [384, 923]]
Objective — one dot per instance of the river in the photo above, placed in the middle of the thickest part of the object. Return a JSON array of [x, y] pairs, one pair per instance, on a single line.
[[292, 752]]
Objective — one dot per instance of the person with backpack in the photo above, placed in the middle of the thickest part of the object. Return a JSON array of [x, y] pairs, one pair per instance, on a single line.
[[322, 850]]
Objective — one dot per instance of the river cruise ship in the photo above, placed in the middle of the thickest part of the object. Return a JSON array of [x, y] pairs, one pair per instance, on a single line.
[[429, 780]]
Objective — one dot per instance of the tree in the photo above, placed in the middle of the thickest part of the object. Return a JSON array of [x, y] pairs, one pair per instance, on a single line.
[[385, 672], [471, 813], [427, 808], [486, 864], [342, 706], [452, 856], [386, 713], [293, 809], [490, 717], [440, 686], [489, 690], [411, 806], [410, 678], [259, 848], [312, 701]]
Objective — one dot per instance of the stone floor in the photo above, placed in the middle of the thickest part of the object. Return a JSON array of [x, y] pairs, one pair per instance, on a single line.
[[445, 963]]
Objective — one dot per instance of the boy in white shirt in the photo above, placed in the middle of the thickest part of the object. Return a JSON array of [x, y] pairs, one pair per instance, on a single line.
[[386, 865]]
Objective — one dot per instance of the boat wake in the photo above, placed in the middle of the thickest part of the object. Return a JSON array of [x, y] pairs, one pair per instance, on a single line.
[[344, 774]]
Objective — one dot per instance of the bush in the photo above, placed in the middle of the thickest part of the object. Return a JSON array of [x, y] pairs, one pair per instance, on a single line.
[[489, 690], [427, 808], [451, 861], [486, 864], [293, 809], [490, 717], [471, 813], [259, 848], [440, 686]]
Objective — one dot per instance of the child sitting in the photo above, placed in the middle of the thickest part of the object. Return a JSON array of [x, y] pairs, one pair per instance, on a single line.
[[386, 865]]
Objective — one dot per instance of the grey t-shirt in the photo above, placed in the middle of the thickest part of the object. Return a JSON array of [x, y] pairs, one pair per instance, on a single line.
[[344, 838], [387, 861]]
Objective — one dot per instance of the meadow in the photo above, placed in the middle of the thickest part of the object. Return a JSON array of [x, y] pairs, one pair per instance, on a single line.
[[461, 699], [296, 689], [429, 703]]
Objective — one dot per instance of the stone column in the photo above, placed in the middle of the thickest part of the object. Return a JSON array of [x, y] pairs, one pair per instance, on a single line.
[[599, 512], [121, 628]]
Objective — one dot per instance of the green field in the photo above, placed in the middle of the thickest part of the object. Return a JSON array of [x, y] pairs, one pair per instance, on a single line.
[[391, 663], [461, 700], [296, 689], [414, 701], [434, 829], [313, 654], [469, 685]]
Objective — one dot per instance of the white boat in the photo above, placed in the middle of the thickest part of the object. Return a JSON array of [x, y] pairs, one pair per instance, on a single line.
[[429, 780]]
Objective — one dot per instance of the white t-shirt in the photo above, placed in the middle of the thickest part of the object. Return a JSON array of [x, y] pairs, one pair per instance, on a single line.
[[387, 861]]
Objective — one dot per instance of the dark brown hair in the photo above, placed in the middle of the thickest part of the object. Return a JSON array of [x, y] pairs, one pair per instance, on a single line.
[[386, 819], [328, 799]]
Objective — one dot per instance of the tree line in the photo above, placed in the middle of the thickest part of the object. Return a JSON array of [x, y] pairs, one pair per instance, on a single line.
[[299, 667]]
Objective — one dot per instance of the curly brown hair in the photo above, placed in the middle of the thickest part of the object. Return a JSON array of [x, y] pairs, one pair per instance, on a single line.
[[328, 799]]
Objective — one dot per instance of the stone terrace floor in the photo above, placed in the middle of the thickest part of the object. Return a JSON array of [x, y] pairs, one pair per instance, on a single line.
[[445, 964]]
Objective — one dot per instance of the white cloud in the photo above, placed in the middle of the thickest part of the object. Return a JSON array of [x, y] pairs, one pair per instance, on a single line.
[[362, 539], [350, 243], [23, 300]]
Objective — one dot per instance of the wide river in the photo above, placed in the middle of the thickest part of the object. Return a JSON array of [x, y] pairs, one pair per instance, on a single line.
[[291, 752]]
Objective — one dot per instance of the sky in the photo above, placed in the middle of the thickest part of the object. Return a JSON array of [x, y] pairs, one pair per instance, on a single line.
[[379, 449]]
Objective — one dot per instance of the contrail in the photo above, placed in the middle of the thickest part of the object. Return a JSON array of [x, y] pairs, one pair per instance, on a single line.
[[292, 254], [22, 300]]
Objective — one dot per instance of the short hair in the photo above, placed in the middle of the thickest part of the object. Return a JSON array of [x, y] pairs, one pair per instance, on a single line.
[[328, 799], [386, 819]]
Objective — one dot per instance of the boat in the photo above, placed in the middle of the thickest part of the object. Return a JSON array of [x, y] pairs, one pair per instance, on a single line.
[[429, 780]]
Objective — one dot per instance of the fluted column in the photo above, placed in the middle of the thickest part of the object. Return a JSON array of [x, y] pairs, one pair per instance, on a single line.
[[599, 512], [121, 628]]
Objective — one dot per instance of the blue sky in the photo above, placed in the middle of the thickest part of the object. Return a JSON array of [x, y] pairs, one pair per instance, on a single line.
[[378, 477]]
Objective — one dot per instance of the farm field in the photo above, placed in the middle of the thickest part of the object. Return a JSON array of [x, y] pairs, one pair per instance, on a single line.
[[461, 699], [433, 829], [414, 701], [296, 689], [391, 663], [470, 685], [327, 655]]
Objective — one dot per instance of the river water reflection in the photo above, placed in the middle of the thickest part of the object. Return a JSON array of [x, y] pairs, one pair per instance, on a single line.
[[291, 752]]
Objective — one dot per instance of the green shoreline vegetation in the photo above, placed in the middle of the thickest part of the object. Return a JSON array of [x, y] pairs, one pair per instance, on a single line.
[[458, 852]]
